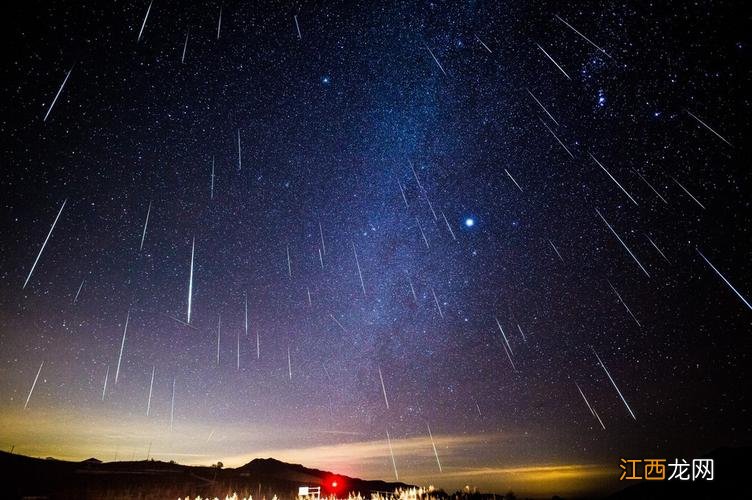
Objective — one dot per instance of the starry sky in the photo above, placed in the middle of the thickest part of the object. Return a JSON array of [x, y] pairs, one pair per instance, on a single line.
[[486, 205]]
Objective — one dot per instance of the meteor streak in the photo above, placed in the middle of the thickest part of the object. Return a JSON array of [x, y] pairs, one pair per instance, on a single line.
[[623, 244], [438, 306], [190, 282], [181, 322], [151, 386], [383, 389], [613, 383], [543, 108], [503, 334], [323, 246], [416, 176], [412, 289], [33, 385], [708, 127], [422, 233], [357, 263], [289, 262], [144, 23], [515, 182], [746, 302], [185, 46], [650, 186], [658, 249], [430, 206], [592, 411], [449, 226], [437, 61], [52, 105], [122, 345], [557, 138], [219, 334], [146, 224], [583, 36], [391, 452], [484, 45], [172, 405], [553, 61], [106, 376], [219, 22], [289, 363], [435, 453], [338, 323], [519, 328], [75, 299], [507, 347], [556, 250], [612, 178], [690, 194], [297, 27], [509, 356], [624, 304], [33, 266]]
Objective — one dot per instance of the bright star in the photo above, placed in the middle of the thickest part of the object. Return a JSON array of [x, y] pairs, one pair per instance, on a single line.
[[469, 222]]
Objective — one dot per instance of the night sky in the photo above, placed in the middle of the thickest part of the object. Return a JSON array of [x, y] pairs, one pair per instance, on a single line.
[[388, 185]]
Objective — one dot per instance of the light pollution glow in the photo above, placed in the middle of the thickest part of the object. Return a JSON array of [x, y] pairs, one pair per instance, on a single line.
[[68, 435]]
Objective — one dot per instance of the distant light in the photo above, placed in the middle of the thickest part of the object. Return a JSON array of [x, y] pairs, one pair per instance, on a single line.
[[334, 484], [469, 222]]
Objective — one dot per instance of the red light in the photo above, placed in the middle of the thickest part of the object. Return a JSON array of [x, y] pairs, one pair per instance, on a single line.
[[334, 484]]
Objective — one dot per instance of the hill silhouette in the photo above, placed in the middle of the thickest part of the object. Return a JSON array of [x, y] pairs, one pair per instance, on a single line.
[[27, 477], [262, 477]]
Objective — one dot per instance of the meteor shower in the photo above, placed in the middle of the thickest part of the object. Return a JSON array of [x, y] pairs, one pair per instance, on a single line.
[[402, 250]]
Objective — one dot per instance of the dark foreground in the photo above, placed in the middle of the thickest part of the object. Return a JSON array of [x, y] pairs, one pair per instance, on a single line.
[[92, 479], [26, 477]]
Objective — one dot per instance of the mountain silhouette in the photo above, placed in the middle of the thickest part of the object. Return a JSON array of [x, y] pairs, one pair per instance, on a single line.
[[151, 479], [263, 478]]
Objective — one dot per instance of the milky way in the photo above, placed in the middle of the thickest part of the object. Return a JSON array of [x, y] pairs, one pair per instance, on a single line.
[[506, 235]]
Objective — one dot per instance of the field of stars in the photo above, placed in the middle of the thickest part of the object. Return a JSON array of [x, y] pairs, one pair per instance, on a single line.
[[497, 244]]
